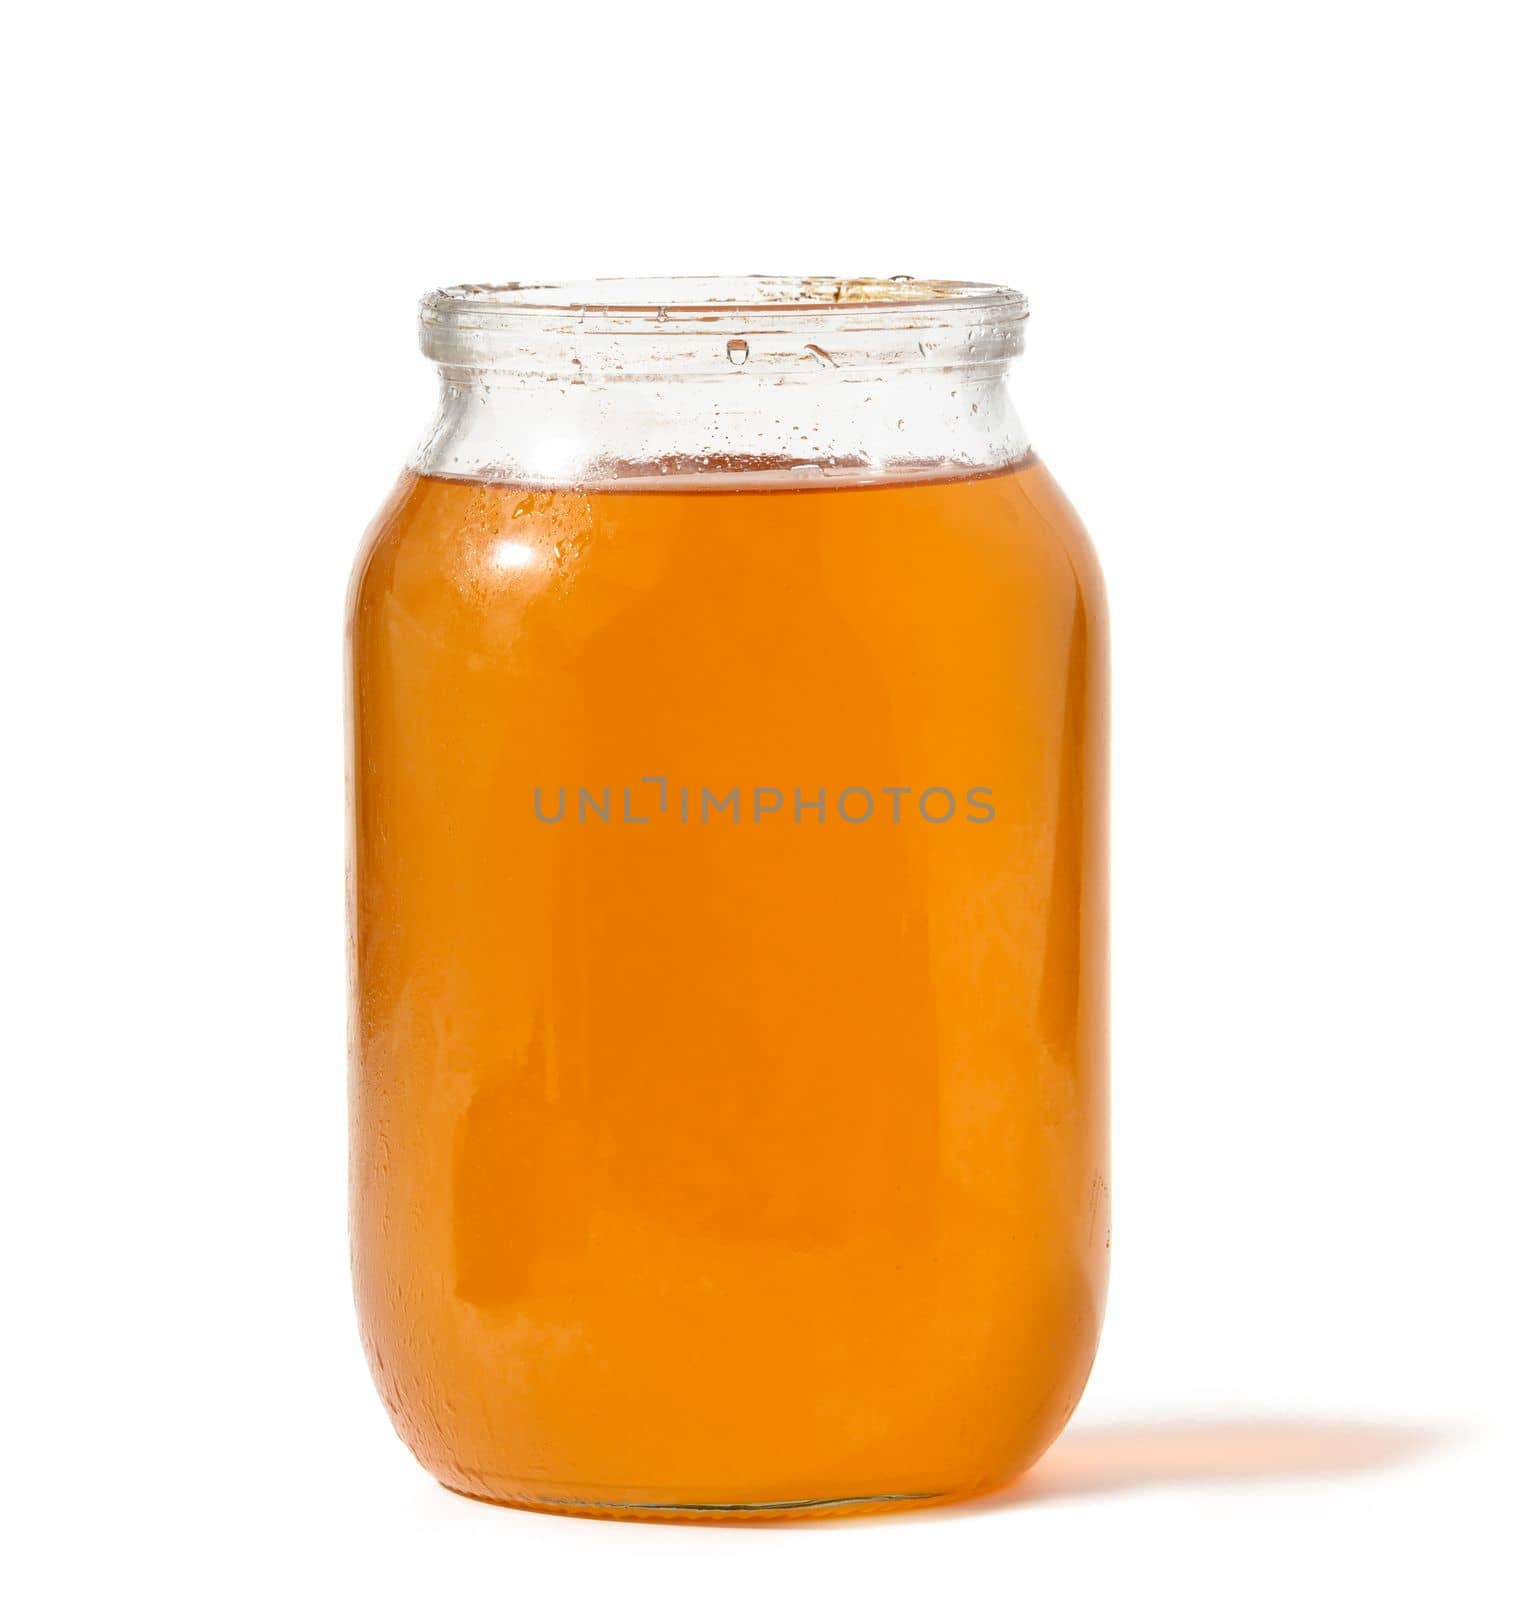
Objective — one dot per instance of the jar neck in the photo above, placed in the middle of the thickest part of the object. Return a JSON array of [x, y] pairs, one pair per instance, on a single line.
[[882, 426], [687, 378]]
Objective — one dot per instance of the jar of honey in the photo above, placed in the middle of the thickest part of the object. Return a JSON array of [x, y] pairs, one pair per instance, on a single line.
[[728, 703]]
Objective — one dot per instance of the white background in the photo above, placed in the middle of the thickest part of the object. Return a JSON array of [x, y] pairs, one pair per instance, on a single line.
[[1274, 361]]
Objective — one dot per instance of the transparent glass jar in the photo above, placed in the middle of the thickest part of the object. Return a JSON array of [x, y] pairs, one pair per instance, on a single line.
[[728, 699]]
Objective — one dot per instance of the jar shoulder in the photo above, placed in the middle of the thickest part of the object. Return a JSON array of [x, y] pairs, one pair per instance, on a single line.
[[475, 555], [1050, 507]]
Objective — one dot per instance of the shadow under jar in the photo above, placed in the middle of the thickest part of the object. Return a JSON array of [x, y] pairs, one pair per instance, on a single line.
[[728, 699]]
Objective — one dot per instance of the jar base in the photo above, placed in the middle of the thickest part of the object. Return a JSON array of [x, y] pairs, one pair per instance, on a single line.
[[738, 1511]]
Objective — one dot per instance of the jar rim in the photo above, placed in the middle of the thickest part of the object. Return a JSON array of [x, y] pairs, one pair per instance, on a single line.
[[685, 326], [665, 298]]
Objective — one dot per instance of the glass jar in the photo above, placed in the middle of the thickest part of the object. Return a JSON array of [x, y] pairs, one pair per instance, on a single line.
[[728, 700]]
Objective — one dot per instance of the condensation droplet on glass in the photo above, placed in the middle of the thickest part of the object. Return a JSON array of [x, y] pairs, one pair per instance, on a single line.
[[660, 315], [739, 352]]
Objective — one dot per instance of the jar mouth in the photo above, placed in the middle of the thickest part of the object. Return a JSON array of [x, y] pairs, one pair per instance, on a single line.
[[603, 329]]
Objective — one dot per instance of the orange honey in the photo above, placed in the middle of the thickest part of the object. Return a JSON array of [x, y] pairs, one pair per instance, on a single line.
[[729, 1118]]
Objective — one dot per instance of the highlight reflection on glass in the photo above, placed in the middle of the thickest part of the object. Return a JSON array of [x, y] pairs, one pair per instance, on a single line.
[[511, 554]]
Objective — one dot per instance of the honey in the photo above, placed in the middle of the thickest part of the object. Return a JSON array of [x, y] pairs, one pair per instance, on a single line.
[[729, 1112]]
